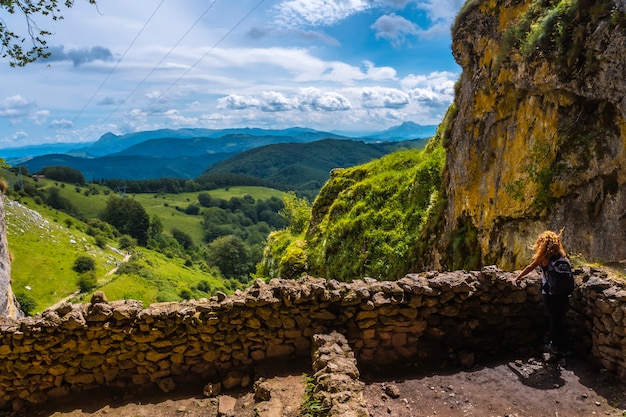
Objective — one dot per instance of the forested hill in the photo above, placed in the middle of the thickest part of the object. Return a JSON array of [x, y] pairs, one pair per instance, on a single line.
[[305, 167]]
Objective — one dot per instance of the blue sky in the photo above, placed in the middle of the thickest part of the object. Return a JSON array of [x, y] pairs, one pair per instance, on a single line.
[[336, 65]]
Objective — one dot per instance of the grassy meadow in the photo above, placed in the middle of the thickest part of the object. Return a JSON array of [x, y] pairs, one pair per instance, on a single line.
[[43, 250], [44, 244], [162, 205]]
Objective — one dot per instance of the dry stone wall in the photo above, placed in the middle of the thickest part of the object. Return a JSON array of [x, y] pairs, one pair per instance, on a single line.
[[460, 316]]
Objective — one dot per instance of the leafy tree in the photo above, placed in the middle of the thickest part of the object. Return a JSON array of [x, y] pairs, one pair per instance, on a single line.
[[231, 256], [87, 282], [205, 199], [63, 173], [192, 209], [183, 238], [55, 200], [84, 264], [127, 242], [26, 301], [155, 231], [129, 217], [12, 40]]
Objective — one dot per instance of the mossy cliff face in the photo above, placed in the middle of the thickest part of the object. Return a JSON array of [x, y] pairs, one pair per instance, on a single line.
[[539, 135]]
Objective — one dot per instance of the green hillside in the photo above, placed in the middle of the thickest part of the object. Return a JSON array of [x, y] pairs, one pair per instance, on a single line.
[[369, 220], [90, 200], [305, 167], [45, 243], [43, 249]]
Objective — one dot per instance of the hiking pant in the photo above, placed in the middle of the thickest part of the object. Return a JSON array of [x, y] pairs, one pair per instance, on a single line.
[[556, 307]]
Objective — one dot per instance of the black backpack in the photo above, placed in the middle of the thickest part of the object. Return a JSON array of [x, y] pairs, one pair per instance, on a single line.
[[559, 277]]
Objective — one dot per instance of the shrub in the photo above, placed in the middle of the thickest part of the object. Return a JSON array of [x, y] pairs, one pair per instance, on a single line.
[[27, 302], [84, 264], [185, 294], [87, 282]]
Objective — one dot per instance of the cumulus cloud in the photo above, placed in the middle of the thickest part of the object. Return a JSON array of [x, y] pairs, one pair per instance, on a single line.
[[61, 124], [397, 4], [80, 56], [20, 134], [40, 117], [395, 29], [381, 97], [434, 87], [291, 13], [273, 101], [16, 107], [316, 100], [307, 99], [176, 118], [237, 102]]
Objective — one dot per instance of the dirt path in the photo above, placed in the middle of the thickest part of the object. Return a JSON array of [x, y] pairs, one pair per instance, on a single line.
[[517, 387], [126, 258]]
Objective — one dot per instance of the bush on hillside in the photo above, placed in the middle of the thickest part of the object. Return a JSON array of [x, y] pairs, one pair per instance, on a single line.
[[27, 302], [84, 264], [87, 282]]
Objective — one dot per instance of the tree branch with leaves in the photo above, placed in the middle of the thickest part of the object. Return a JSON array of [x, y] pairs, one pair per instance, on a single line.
[[14, 43]]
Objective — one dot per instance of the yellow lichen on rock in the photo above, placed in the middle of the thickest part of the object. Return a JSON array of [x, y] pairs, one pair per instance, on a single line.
[[538, 138]]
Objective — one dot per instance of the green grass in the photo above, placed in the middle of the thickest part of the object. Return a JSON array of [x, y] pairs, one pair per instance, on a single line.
[[43, 250], [164, 206], [151, 277], [161, 205]]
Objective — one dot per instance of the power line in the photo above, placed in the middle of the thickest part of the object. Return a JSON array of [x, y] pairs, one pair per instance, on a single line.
[[208, 52], [118, 62], [161, 61]]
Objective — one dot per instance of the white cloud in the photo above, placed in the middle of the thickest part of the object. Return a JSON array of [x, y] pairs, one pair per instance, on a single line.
[[314, 99], [237, 102], [307, 99], [40, 117], [293, 13], [61, 124], [20, 134], [434, 87], [273, 101], [176, 118], [395, 29], [381, 97], [16, 107], [441, 9]]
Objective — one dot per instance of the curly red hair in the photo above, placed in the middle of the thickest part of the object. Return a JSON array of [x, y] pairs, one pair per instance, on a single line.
[[547, 245]]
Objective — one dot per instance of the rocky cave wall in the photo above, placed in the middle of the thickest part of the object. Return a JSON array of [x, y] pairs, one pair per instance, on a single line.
[[464, 317], [539, 136]]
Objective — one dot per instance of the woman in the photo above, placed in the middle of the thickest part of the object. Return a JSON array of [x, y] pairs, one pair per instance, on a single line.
[[547, 246]]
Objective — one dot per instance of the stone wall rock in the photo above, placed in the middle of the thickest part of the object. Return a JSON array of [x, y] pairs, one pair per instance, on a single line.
[[422, 317]]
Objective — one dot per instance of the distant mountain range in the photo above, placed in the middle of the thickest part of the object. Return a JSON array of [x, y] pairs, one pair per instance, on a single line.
[[187, 153]]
